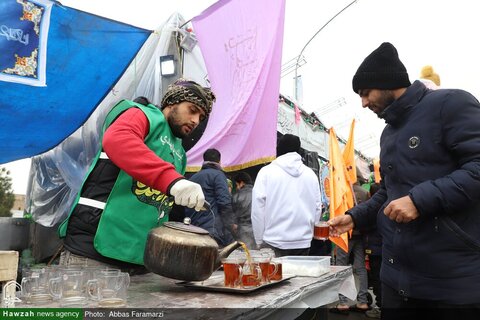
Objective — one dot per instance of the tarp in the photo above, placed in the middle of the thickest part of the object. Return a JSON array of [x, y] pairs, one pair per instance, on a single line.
[[85, 56]]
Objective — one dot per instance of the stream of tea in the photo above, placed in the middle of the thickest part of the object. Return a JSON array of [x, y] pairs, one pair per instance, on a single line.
[[250, 279], [247, 253]]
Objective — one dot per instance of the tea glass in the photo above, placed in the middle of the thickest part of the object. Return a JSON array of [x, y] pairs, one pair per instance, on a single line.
[[35, 287], [321, 230], [252, 275], [109, 288], [275, 274], [69, 289], [264, 261], [232, 268], [268, 251]]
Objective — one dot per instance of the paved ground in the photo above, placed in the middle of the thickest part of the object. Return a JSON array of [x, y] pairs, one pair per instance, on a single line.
[[350, 316], [325, 314]]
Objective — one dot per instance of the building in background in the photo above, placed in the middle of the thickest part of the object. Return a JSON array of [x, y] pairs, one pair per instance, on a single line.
[[18, 206]]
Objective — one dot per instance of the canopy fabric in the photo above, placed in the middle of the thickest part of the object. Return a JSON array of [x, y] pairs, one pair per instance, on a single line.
[[85, 56]]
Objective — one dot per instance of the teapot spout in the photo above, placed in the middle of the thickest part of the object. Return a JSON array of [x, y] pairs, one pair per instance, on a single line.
[[225, 252]]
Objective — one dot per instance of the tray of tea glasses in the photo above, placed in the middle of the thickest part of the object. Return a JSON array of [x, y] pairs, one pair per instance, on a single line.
[[216, 283]]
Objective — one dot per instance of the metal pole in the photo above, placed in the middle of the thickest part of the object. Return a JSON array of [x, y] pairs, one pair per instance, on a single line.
[[326, 24]]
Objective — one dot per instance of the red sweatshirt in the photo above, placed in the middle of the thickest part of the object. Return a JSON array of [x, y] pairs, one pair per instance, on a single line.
[[124, 144]]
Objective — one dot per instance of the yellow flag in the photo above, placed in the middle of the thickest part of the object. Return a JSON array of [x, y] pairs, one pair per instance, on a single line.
[[341, 196], [349, 157]]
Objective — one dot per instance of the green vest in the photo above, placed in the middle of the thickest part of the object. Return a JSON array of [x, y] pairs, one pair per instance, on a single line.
[[132, 208]]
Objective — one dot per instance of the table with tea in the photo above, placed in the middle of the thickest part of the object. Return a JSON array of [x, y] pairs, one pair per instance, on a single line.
[[154, 291]]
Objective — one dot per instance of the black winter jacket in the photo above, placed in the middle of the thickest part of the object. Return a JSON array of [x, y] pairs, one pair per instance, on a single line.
[[242, 205], [430, 150], [242, 208]]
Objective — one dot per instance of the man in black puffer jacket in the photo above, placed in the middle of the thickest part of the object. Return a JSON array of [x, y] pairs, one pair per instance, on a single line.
[[428, 207]]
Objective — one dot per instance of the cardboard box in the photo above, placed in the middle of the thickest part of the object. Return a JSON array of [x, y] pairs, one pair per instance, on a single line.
[[8, 265]]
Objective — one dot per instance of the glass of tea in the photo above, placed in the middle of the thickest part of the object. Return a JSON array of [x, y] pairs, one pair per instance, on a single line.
[[252, 275], [232, 268], [264, 261], [275, 274], [321, 230]]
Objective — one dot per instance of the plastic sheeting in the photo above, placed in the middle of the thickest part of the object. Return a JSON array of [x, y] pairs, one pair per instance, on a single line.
[[57, 175]]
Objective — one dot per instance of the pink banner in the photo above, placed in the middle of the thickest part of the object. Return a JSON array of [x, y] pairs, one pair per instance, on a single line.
[[241, 42]]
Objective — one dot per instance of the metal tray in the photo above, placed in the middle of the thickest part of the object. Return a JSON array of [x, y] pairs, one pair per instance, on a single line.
[[215, 283]]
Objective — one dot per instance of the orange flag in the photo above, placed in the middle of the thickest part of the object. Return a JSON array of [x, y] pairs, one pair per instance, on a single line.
[[341, 196], [376, 170], [349, 157]]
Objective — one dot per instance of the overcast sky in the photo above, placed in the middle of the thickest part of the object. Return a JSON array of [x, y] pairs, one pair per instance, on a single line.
[[441, 33]]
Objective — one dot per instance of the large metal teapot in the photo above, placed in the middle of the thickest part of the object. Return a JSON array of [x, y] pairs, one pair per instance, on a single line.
[[182, 251]]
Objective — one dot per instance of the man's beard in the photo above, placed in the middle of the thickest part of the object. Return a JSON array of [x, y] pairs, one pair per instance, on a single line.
[[175, 124], [176, 130], [386, 99]]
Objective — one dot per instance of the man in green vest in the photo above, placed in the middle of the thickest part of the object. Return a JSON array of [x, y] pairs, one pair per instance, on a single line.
[[135, 178]]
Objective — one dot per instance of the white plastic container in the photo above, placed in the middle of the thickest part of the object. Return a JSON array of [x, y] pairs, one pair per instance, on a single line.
[[306, 266]]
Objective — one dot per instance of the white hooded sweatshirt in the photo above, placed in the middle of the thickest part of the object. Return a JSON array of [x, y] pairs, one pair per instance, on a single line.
[[286, 203]]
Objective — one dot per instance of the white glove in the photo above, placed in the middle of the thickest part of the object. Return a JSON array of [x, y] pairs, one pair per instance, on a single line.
[[187, 193]]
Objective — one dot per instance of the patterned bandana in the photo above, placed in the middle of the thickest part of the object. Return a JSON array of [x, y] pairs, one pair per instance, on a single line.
[[187, 90]]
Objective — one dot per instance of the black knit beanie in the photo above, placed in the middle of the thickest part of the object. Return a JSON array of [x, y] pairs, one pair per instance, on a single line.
[[288, 143], [382, 69]]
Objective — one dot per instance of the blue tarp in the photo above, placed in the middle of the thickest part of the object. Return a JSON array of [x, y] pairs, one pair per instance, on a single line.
[[85, 56]]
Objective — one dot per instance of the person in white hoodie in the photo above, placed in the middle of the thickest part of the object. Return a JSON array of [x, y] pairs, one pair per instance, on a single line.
[[286, 202]]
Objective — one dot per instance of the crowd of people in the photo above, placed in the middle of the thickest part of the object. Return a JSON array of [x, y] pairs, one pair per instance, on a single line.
[[420, 226]]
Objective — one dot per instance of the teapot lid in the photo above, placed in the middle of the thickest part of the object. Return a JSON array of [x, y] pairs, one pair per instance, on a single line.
[[185, 226]]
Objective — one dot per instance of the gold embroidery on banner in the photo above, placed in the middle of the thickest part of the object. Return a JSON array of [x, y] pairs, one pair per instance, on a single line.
[[237, 167]]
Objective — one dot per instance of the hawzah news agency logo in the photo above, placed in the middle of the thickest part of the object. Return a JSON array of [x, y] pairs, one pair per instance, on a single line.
[[18, 314]]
